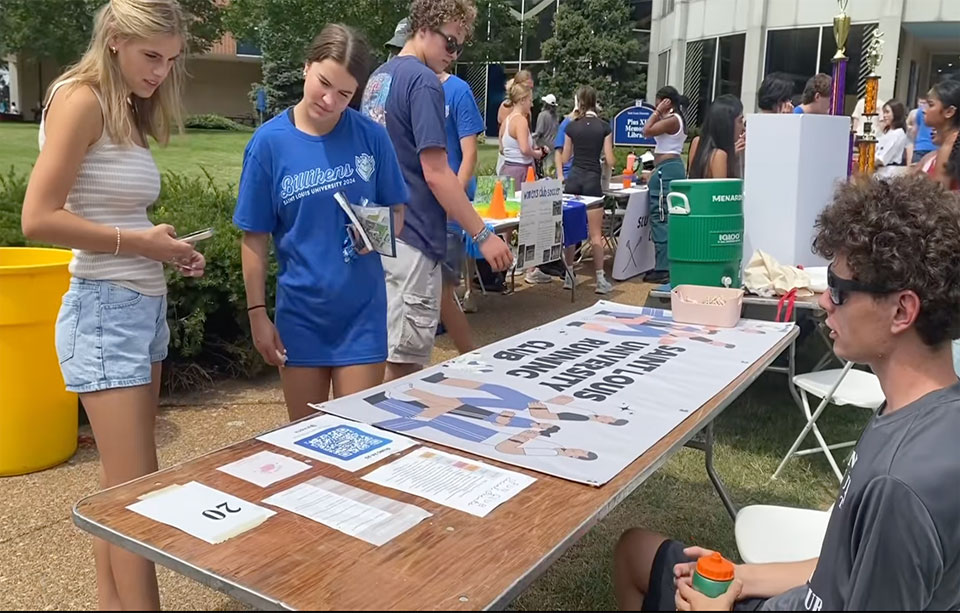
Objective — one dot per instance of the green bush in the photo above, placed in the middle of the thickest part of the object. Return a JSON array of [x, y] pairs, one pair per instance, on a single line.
[[209, 328], [13, 187], [214, 122]]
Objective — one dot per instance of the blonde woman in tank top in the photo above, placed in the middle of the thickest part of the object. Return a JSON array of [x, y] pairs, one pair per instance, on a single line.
[[90, 189]]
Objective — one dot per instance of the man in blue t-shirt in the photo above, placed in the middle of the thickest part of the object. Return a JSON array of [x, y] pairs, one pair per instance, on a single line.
[[406, 97], [563, 169], [919, 132], [464, 123]]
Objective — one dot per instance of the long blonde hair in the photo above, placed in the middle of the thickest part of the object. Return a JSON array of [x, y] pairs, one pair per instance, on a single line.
[[98, 68]]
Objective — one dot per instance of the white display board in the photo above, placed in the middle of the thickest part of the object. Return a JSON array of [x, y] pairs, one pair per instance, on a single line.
[[540, 238], [793, 166]]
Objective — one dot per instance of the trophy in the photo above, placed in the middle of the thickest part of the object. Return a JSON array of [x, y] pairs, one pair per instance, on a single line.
[[841, 30], [867, 144]]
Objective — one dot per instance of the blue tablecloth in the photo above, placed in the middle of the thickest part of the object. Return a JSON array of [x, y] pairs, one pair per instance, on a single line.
[[574, 227]]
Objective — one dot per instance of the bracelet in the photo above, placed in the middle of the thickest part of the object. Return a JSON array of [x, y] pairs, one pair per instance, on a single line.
[[255, 307], [482, 235], [116, 251]]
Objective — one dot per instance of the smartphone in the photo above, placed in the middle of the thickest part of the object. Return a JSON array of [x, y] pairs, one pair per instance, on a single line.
[[199, 235]]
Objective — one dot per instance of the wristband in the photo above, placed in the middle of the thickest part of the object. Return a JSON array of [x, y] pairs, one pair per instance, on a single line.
[[482, 235]]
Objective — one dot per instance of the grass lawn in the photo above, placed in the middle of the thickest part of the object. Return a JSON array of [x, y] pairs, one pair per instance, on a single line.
[[219, 153], [753, 433]]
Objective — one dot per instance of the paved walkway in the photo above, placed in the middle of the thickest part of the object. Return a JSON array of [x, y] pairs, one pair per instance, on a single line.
[[47, 563]]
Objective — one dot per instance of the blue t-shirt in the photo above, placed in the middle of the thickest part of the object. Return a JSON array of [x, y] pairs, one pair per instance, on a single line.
[[329, 312], [405, 96], [798, 110], [924, 140], [558, 144], [463, 119]]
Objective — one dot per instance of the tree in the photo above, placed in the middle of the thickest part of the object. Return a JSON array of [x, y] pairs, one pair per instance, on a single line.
[[60, 29], [594, 44], [278, 27], [496, 34]]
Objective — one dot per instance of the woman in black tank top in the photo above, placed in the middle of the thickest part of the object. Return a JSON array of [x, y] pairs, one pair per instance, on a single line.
[[587, 137]]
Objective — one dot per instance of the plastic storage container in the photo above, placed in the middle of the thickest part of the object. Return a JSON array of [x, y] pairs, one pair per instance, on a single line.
[[38, 417], [706, 306]]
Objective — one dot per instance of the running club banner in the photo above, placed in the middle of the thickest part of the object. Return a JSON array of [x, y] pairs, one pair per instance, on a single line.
[[579, 398]]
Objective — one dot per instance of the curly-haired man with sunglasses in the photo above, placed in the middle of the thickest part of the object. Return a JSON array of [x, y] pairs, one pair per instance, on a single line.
[[893, 539], [406, 96]]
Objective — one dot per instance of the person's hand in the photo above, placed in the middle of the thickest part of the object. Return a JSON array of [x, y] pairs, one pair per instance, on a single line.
[[496, 253], [689, 599], [192, 266], [684, 570], [159, 243], [266, 338], [741, 144], [358, 245], [664, 106]]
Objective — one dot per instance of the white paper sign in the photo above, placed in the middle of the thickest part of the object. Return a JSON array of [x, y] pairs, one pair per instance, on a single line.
[[203, 512], [358, 513], [264, 468], [345, 444], [452, 481], [540, 238]]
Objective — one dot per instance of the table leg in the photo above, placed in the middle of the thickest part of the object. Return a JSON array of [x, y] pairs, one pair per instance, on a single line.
[[573, 278], [706, 446]]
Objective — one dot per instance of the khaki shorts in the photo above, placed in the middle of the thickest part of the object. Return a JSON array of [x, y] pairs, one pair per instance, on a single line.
[[414, 285]]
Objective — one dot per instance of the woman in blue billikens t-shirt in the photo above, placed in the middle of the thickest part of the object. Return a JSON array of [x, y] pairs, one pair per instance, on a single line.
[[331, 311]]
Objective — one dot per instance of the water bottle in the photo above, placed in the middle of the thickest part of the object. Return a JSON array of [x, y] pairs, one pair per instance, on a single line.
[[713, 575]]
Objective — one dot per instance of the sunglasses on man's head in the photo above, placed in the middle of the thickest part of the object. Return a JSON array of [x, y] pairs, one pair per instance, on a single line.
[[453, 46], [840, 288]]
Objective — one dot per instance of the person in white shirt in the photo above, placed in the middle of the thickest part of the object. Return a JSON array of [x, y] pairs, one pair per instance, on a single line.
[[893, 141]]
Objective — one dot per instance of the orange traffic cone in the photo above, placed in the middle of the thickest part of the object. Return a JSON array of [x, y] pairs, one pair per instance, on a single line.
[[531, 176], [498, 208]]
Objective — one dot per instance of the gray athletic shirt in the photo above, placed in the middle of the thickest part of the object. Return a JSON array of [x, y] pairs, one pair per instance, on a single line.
[[893, 540]]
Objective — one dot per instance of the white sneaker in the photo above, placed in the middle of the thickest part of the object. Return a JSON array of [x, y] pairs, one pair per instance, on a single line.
[[603, 286], [568, 281], [537, 276]]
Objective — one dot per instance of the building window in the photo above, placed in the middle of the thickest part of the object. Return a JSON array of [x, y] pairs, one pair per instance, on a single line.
[[802, 53], [714, 67], [730, 65], [248, 48], [794, 53], [663, 67], [536, 29], [698, 77], [641, 13]]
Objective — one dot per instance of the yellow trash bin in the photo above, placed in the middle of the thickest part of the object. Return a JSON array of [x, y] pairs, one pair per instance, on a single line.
[[38, 418]]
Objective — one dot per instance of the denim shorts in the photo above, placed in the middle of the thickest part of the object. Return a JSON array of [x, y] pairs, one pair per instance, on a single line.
[[108, 336]]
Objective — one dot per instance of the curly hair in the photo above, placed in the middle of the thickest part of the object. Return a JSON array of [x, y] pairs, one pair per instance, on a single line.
[[900, 233], [433, 14]]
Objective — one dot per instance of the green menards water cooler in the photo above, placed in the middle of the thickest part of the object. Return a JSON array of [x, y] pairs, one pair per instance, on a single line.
[[705, 243]]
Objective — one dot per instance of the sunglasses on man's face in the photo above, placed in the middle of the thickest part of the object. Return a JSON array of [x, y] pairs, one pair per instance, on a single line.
[[454, 47], [840, 288]]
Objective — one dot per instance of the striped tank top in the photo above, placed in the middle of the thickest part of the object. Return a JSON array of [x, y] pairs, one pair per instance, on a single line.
[[115, 185]]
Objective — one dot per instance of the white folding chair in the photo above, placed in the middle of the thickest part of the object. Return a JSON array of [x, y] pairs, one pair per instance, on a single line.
[[846, 386], [767, 533]]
